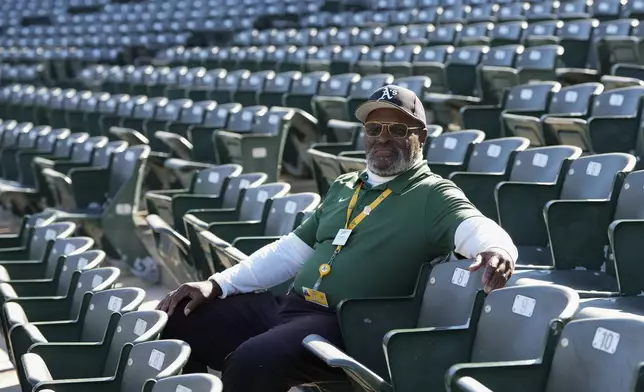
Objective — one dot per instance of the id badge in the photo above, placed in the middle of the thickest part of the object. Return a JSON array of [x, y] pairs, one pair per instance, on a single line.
[[315, 296], [342, 237]]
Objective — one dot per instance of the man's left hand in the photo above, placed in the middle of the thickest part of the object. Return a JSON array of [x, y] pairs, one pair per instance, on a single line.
[[498, 269]]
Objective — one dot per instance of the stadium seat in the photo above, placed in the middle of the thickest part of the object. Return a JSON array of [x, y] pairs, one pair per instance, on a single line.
[[212, 182], [568, 103], [138, 367], [581, 261], [582, 360], [517, 311], [451, 151], [96, 355], [533, 98], [492, 157], [609, 127], [587, 180], [262, 147], [95, 321]]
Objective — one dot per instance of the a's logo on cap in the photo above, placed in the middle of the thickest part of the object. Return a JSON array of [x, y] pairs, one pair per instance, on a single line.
[[388, 93]]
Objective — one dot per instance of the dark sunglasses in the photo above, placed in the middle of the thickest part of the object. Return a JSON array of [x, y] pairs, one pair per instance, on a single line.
[[396, 130]]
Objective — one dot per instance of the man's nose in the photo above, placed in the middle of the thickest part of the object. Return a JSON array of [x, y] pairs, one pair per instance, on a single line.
[[384, 136]]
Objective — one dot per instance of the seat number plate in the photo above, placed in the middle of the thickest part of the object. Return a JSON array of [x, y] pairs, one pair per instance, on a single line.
[[461, 277], [523, 305], [115, 303], [140, 327], [156, 359], [606, 340]]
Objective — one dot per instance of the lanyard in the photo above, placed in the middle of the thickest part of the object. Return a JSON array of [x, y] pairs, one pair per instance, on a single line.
[[325, 269]]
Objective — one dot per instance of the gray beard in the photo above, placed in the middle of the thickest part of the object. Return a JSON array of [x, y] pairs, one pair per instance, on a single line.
[[401, 165]]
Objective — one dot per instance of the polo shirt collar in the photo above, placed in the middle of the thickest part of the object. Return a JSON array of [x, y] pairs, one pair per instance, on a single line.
[[418, 171]]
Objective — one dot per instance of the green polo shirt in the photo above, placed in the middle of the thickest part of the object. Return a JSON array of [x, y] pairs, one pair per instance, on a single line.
[[384, 253]]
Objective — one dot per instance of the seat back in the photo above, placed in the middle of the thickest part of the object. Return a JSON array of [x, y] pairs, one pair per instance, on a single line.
[[236, 184], [285, 209], [152, 360], [449, 296], [541, 164], [92, 280], [593, 177], [217, 116], [624, 101], [212, 181], [103, 155], [533, 96], [64, 247], [202, 382], [82, 152], [452, 147], [629, 202], [79, 261], [576, 99], [101, 307], [521, 314], [598, 354], [65, 146], [133, 327], [492, 156], [42, 235], [125, 165], [252, 206]]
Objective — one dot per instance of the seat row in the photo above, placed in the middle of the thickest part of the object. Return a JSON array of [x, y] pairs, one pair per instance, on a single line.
[[404, 12], [60, 300]]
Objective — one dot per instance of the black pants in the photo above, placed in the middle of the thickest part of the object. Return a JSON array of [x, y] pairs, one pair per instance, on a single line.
[[255, 340]]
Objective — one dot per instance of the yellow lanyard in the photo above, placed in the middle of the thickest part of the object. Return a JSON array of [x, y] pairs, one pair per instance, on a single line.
[[367, 210], [325, 269]]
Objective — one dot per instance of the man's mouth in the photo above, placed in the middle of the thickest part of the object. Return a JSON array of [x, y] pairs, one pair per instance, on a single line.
[[384, 152]]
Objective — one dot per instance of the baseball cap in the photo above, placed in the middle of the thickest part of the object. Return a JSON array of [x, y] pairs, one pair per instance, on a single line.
[[392, 96]]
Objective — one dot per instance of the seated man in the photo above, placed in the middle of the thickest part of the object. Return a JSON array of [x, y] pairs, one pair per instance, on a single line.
[[369, 238]]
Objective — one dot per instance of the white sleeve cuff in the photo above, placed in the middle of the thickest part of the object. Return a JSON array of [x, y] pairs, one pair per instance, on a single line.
[[481, 234]]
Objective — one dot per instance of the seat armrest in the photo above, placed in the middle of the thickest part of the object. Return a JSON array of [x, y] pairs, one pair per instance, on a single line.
[[334, 357]]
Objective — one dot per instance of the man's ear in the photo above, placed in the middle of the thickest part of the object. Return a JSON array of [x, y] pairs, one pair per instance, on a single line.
[[422, 136]]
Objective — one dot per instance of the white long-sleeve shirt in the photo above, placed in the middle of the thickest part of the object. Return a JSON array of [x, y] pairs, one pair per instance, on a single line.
[[281, 260]]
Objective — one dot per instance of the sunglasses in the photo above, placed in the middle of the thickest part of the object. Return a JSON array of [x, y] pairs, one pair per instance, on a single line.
[[396, 130]]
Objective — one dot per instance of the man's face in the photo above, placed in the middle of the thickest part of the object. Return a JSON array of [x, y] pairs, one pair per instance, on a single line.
[[389, 156]]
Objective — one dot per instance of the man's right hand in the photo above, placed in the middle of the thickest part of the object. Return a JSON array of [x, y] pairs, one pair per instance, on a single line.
[[198, 292]]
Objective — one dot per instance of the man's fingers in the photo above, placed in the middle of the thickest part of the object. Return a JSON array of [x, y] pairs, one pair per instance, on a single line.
[[193, 304], [175, 299], [478, 262]]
